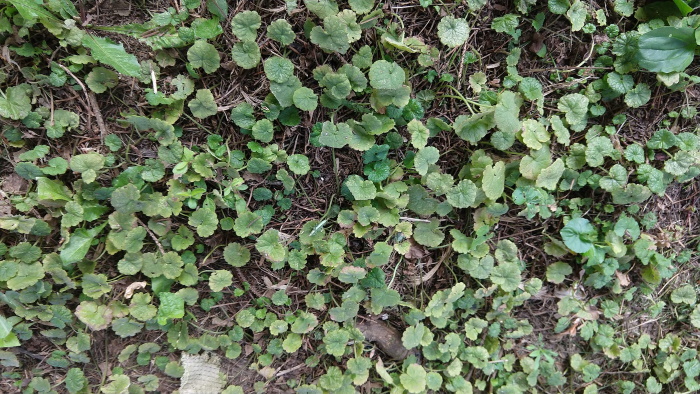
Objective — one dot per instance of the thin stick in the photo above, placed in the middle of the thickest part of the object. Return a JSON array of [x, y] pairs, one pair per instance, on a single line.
[[92, 102]]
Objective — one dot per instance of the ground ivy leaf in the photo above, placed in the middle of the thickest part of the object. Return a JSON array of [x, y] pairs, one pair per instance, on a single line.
[[100, 79], [507, 112], [493, 180], [360, 188], [452, 31], [575, 108], [281, 31], [425, 158], [557, 272], [684, 295], [205, 221], [507, 276], [220, 279], [463, 195], [386, 75], [640, 95], [578, 235], [549, 176], [383, 298], [204, 55], [414, 379], [245, 25], [172, 306], [246, 54], [333, 36], [428, 234], [270, 246], [335, 136], [97, 317], [419, 133], [203, 105], [305, 99]]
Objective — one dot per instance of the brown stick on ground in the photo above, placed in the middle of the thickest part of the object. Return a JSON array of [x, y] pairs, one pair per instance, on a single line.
[[91, 101], [387, 338]]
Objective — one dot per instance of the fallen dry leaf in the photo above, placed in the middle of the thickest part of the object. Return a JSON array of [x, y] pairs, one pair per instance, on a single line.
[[129, 292], [623, 278]]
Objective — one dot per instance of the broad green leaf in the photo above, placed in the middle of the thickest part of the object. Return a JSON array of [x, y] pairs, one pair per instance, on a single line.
[[335, 136], [380, 255], [298, 164], [473, 128], [667, 49], [87, 164], [270, 246], [336, 342], [242, 115], [684, 295], [619, 83], [77, 246], [220, 279], [557, 272], [141, 307], [425, 158], [97, 317], [126, 199], [16, 103], [263, 130], [236, 255], [100, 79], [549, 176], [463, 195], [218, 8], [414, 379], [119, 385], [281, 31], [577, 14], [172, 306], [413, 335], [386, 75], [361, 189], [248, 223], [75, 380], [305, 99], [333, 36], [632, 193], [579, 235], [616, 179], [205, 221], [246, 54], [575, 107], [452, 31], [640, 95], [245, 25], [493, 180], [419, 133], [203, 105], [507, 112], [383, 298], [94, 286], [361, 6], [106, 51], [204, 55], [534, 134], [506, 276], [597, 149], [428, 234], [278, 69], [52, 191]]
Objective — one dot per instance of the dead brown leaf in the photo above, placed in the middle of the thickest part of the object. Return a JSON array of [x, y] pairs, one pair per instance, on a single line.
[[129, 292]]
